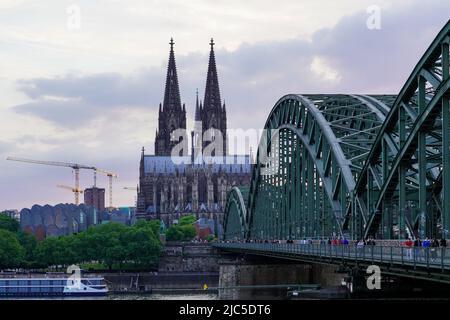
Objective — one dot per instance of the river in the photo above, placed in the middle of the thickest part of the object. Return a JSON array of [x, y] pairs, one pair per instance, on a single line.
[[158, 296]]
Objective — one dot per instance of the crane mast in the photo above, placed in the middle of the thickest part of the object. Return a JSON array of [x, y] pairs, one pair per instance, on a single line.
[[110, 176], [75, 166]]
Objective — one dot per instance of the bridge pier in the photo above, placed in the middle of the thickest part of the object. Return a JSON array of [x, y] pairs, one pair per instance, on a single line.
[[347, 274], [250, 277]]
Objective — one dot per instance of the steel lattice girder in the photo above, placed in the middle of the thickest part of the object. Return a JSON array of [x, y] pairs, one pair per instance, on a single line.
[[235, 224], [416, 176], [324, 139], [348, 164]]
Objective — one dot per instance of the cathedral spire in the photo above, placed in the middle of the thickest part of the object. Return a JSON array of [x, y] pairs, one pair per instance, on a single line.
[[212, 92], [172, 100], [213, 115], [197, 109], [141, 163], [172, 115]]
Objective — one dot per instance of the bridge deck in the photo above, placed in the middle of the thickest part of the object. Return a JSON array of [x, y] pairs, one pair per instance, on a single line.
[[415, 262]]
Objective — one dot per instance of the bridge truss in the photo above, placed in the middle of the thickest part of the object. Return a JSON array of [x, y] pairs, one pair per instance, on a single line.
[[354, 166]]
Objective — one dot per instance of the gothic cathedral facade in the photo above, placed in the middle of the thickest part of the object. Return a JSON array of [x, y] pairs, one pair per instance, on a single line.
[[172, 184]]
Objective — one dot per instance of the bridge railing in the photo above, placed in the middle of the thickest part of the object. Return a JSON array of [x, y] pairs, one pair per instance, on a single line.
[[436, 258]]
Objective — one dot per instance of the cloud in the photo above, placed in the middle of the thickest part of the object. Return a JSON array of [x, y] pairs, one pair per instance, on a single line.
[[106, 89], [63, 113], [348, 58], [319, 67], [75, 100], [5, 147], [104, 118]]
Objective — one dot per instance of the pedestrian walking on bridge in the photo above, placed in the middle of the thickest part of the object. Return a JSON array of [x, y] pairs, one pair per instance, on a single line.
[[417, 248], [426, 248], [409, 244], [434, 249]]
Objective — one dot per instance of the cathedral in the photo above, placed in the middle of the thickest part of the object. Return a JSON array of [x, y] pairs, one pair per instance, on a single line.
[[174, 182]]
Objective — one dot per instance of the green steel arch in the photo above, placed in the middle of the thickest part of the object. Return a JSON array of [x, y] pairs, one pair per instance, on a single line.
[[401, 190], [355, 165], [308, 162], [235, 221]]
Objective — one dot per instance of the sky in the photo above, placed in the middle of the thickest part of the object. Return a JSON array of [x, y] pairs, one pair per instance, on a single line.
[[81, 81]]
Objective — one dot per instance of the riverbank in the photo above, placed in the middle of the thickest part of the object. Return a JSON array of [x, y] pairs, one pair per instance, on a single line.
[[161, 296], [160, 282]]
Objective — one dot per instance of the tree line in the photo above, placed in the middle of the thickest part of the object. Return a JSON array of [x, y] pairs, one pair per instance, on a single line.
[[112, 245]]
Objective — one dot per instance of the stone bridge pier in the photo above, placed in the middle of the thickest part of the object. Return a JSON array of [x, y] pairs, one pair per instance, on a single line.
[[251, 277]]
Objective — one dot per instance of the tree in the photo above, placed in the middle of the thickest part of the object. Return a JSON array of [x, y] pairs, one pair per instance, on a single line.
[[70, 248], [141, 246], [174, 233], [180, 233], [154, 225], [29, 244], [48, 252], [112, 244], [11, 252], [189, 232], [10, 224], [186, 220], [103, 243], [183, 231]]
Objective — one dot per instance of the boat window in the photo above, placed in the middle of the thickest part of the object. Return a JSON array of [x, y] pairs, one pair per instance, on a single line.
[[23, 289]]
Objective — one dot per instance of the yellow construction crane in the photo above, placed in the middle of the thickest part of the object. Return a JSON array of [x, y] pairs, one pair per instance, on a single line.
[[73, 189], [110, 176], [75, 166]]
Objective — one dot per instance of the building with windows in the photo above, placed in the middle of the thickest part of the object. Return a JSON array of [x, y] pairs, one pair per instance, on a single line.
[[95, 197], [173, 183]]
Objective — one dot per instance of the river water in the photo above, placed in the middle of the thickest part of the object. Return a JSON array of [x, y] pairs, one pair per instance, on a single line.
[[155, 296], [158, 296]]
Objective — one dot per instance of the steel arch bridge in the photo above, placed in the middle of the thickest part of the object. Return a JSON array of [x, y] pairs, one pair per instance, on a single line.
[[354, 166]]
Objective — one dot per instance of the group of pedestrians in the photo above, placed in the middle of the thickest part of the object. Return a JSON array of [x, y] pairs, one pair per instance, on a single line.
[[426, 249], [337, 241], [417, 249], [363, 242]]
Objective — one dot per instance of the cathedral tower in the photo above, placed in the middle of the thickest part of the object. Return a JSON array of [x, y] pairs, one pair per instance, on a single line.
[[213, 113], [171, 115], [197, 133]]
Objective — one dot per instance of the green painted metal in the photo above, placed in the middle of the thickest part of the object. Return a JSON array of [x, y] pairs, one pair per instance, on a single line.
[[315, 146], [235, 219], [356, 165], [390, 259]]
